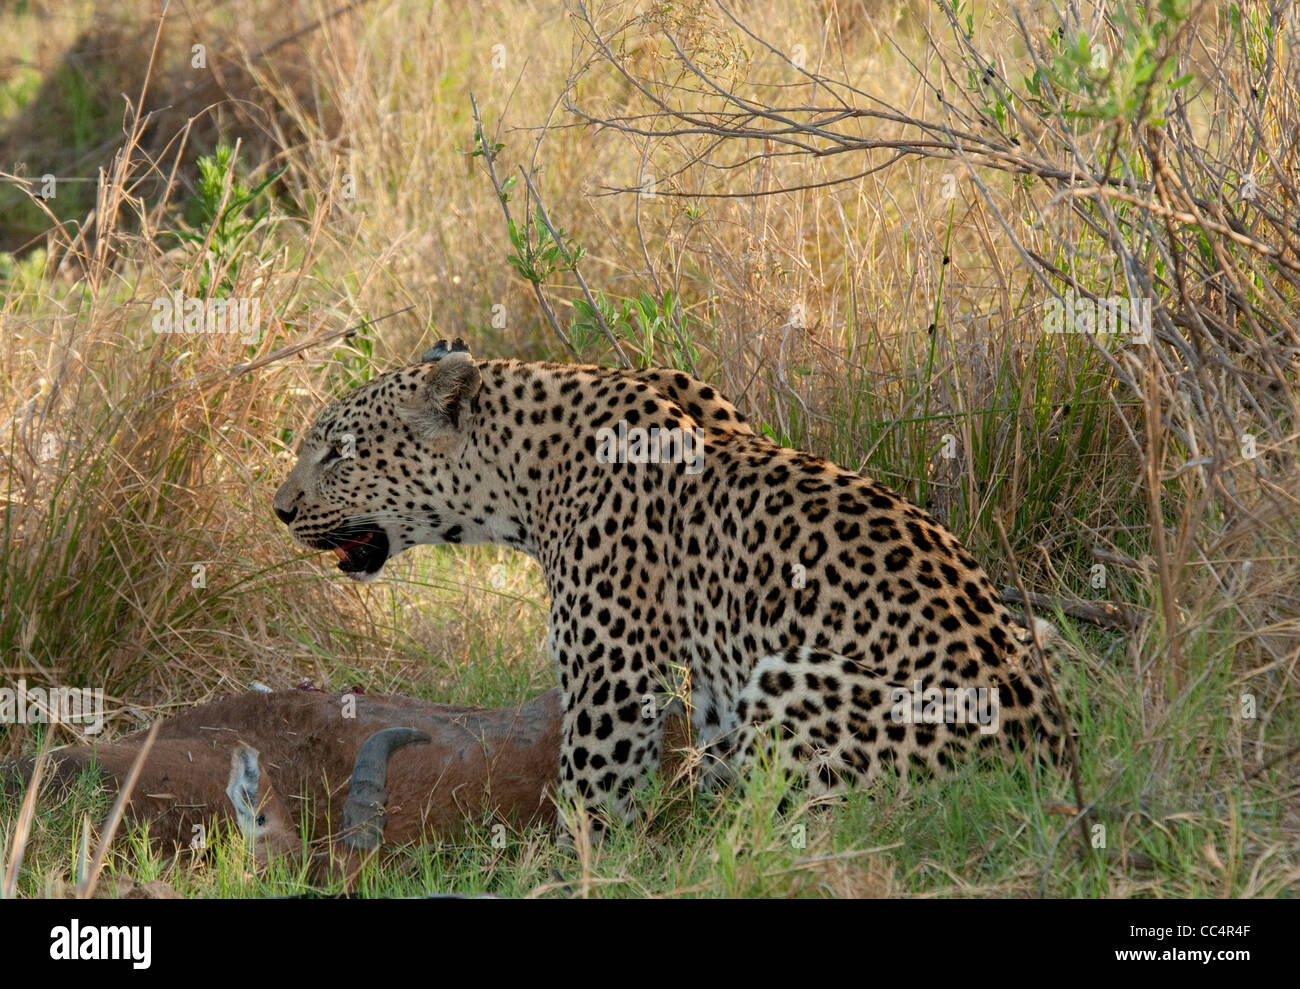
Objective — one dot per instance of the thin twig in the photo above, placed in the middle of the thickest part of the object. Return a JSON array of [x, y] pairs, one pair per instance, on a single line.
[[237, 370], [1280, 757], [1104, 614], [489, 155], [573, 267]]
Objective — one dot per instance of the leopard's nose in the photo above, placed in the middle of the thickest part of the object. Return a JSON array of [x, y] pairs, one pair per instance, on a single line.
[[285, 501]]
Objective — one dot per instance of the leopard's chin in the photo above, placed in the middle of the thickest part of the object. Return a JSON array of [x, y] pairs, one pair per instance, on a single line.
[[364, 576]]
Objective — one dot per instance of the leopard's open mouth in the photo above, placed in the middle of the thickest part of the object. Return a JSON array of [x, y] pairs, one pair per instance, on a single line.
[[362, 549]]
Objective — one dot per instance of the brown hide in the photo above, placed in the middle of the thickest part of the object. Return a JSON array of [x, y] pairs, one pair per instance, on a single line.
[[481, 764]]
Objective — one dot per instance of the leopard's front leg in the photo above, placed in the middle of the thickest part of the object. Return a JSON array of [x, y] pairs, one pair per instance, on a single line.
[[612, 731]]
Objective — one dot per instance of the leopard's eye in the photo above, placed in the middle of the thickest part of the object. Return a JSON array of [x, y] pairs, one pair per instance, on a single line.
[[338, 448], [342, 446]]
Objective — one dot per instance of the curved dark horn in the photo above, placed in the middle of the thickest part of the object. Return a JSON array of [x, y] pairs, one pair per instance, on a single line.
[[363, 810], [444, 347]]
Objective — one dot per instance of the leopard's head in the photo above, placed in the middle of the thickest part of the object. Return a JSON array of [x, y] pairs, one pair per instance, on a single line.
[[383, 468]]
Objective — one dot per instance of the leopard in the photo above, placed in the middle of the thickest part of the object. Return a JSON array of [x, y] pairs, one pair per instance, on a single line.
[[790, 608]]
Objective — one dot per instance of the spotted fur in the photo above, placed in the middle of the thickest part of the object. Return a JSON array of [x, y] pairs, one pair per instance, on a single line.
[[798, 596]]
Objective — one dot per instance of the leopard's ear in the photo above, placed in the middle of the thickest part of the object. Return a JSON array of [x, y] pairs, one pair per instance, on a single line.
[[444, 347], [442, 398]]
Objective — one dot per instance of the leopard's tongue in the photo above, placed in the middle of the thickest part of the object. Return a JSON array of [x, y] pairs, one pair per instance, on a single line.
[[342, 551]]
